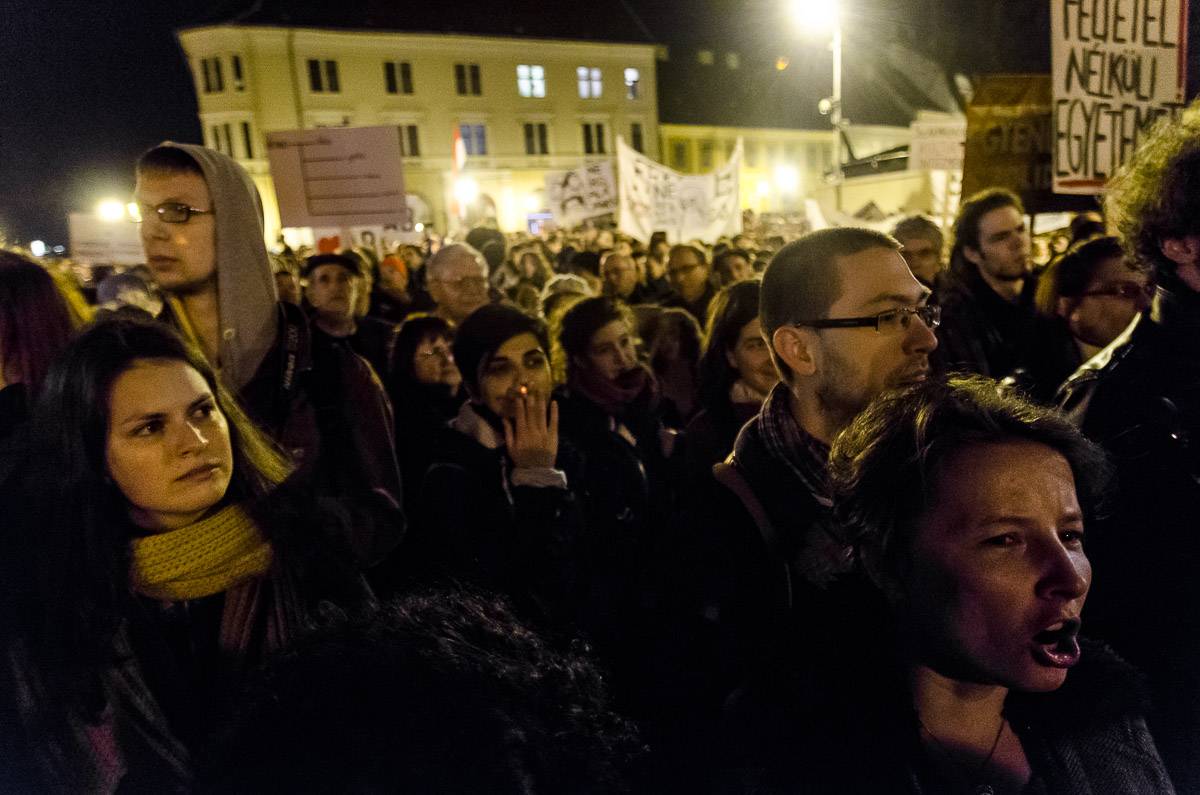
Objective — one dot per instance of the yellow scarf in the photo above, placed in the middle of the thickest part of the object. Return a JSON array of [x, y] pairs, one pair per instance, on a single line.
[[204, 558]]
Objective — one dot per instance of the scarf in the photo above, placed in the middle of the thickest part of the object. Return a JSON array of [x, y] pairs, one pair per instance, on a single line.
[[205, 558], [806, 457], [616, 397]]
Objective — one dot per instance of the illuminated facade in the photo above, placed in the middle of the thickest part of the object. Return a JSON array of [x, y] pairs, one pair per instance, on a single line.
[[523, 106]]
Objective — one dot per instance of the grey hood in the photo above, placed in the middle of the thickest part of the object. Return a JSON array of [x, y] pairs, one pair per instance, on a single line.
[[246, 301]]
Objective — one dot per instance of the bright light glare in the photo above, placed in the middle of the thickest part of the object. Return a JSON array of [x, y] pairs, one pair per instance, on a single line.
[[37, 248], [419, 227], [531, 203], [111, 210], [787, 178], [816, 16], [466, 189], [763, 187], [133, 210]]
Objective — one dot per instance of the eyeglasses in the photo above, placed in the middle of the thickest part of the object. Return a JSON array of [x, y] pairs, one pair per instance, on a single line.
[[168, 212], [464, 281], [1128, 291], [891, 321]]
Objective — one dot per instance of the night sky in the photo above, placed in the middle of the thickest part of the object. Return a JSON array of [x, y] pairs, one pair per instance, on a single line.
[[89, 85]]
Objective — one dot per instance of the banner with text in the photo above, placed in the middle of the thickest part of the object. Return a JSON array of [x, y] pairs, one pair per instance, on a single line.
[[581, 193], [1119, 66], [686, 206], [339, 177]]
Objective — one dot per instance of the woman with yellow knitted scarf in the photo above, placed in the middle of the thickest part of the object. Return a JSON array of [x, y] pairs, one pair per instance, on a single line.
[[173, 557]]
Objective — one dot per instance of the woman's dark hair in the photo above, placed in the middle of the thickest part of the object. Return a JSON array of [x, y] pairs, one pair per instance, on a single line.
[[676, 335], [82, 526], [36, 320], [409, 335], [887, 466], [729, 312], [581, 322], [484, 331], [436, 692]]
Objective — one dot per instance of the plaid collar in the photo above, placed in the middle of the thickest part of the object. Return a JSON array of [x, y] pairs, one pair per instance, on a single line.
[[806, 457]]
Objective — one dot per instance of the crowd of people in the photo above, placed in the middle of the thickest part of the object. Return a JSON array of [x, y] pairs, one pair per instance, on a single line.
[[580, 513]]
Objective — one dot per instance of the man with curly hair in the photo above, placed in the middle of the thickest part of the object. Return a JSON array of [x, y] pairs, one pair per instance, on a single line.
[[1140, 399]]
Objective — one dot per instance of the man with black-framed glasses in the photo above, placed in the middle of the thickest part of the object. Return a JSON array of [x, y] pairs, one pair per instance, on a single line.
[[845, 320]]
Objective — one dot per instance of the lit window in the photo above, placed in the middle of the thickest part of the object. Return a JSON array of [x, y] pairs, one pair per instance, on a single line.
[[531, 80], [733, 60], [474, 138], [589, 82], [631, 84], [705, 57]]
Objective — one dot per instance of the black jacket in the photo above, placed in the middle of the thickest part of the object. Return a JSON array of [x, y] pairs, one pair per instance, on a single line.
[[832, 714], [1140, 400]]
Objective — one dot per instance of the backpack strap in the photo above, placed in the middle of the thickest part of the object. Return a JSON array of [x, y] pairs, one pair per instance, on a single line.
[[728, 475]]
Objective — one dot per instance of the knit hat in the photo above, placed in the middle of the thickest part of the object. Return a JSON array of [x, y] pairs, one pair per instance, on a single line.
[[485, 330]]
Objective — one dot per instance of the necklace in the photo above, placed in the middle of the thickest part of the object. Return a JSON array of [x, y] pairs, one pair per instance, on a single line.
[[972, 776]]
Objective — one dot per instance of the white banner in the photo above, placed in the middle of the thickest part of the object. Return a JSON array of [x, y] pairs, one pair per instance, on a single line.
[[581, 193], [1119, 65], [687, 207], [339, 177], [102, 242], [937, 145]]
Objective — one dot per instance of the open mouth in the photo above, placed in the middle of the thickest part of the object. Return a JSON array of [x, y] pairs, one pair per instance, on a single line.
[[1058, 645]]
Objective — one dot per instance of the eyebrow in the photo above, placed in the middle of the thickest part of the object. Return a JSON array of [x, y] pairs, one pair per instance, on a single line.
[[898, 298], [162, 415]]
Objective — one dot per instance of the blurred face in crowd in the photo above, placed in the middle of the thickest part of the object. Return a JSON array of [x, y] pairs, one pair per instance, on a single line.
[[333, 291], [393, 278], [459, 285], [1003, 254], [688, 274], [612, 351], [519, 364], [998, 576], [288, 287], [739, 269], [604, 240], [619, 275], [851, 366], [182, 257], [433, 363], [924, 257], [168, 447], [751, 357], [1111, 301]]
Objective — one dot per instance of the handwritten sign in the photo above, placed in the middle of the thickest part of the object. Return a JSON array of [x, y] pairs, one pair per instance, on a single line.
[[688, 207], [1119, 66], [584, 192], [937, 145], [339, 177]]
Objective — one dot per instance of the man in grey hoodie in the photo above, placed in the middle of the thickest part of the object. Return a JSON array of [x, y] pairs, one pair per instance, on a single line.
[[202, 233]]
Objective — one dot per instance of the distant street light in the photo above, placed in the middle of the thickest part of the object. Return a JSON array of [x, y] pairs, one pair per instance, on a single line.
[[820, 16], [787, 179], [465, 190], [111, 210]]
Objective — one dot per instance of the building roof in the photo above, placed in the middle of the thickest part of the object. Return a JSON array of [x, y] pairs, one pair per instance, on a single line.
[[595, 20]]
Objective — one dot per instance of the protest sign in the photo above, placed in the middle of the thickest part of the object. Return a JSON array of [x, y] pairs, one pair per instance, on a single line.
[[584, 192], [687, 207], [1010, 142], [339, 177], [99, 241], [1119, 66], [937, 145]]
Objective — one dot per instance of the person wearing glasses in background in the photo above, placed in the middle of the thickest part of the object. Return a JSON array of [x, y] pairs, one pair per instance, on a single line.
[[457, 280], [202, 232], [845, 320]]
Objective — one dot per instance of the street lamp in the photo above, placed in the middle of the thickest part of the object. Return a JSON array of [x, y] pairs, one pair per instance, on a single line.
[[111, 210], [820, 16]]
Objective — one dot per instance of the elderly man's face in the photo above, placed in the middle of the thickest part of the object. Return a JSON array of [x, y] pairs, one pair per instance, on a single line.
[[459, 286]]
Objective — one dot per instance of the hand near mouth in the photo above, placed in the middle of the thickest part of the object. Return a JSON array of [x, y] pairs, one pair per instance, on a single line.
[[532, 435]]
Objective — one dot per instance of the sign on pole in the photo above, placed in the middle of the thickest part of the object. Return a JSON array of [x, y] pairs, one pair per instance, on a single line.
[[1119, 66], [584, 192], [339, 177], [687, 207]]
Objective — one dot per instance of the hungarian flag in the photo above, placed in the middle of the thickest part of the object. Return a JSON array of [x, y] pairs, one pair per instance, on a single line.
[[460, 151]]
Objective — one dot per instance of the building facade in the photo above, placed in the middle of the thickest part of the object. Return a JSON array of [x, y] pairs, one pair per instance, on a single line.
[[522, 106]]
